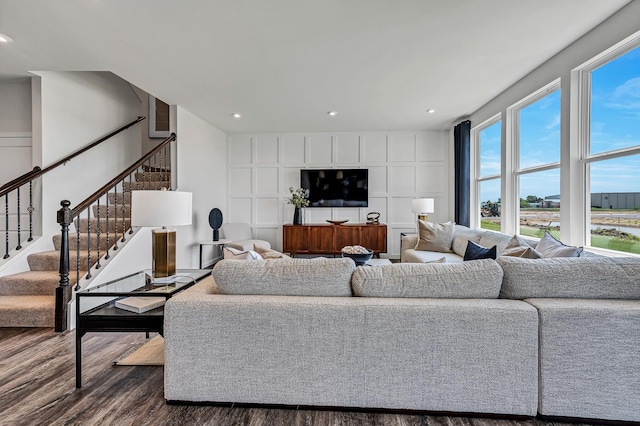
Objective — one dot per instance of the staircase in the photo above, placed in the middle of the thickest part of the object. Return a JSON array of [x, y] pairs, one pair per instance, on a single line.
[[27, 299]]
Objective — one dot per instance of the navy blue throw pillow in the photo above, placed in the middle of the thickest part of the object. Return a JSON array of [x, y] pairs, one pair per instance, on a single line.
[[476, 252]]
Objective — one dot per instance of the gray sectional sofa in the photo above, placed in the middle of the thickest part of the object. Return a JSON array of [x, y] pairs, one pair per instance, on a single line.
[[556, 337]]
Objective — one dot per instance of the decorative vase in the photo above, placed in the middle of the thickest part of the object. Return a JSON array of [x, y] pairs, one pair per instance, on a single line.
[[297, 216]]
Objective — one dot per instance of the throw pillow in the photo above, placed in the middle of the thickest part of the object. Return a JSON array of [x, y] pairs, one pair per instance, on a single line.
[[477, 252], [268, 253], [231, 253], [435, 236], [550, 247], [517, 247]]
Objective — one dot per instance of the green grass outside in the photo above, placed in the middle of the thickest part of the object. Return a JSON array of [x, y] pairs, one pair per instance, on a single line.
[[600, 241]]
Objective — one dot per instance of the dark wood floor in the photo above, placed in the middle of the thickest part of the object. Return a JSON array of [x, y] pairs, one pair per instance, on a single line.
[[37, 387]]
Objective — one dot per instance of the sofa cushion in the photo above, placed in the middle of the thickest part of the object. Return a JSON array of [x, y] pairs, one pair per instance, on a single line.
[[575, 277], [419, 256], [491, 238], [480, 279], [462, 235], [286, 277], [435, 236], [517, 247], [248, 244], [550, 247], [477, 252]]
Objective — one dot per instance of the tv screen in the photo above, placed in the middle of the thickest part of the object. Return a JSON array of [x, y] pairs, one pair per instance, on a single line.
[[336, 187]]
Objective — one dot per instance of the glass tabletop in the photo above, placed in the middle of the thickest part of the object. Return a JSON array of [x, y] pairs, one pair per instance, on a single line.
[[143, 283]]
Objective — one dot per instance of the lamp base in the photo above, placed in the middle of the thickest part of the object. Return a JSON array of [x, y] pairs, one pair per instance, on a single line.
[[164, 252], [424, 217]]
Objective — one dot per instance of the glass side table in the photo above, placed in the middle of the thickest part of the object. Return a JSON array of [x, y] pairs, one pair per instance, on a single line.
[[96, 306]]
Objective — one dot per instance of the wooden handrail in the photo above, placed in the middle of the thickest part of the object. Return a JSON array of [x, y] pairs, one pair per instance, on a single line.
[[37, 171], [100, 192]]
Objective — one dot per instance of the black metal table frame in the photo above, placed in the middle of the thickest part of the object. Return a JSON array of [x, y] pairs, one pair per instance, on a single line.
[[113, 319]]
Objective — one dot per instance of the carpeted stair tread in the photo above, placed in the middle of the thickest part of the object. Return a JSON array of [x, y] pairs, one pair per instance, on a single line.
[[119, 198], [27, 311], [84, 241], [112, 211], [113, 225], [153, 176], [129, 186], [50, 260], [41, 283]]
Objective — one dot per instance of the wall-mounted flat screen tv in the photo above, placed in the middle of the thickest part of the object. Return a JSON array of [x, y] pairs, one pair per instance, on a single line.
[[336, 187]]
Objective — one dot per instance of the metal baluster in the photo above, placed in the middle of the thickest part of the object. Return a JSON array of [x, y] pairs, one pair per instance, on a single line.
[[78, 256], [107, 255], [115, 231], [164, 155], [6, 226], [124, 207], [98, 232], [19, 246], [124, 195], [88, 243], [30, 209]]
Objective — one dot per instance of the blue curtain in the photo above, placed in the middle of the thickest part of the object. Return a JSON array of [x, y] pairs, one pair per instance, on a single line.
[[462, 144]]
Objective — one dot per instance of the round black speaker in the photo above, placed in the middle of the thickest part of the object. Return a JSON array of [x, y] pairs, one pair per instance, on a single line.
[[215, 221]]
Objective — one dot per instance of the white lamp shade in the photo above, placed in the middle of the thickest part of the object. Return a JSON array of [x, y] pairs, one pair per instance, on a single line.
[[422, 205], [160, 208]]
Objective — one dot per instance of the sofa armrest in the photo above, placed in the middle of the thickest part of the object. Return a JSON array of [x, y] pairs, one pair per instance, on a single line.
[[407, 242]]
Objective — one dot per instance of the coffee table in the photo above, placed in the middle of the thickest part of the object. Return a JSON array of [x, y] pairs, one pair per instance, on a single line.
[[96, 310]]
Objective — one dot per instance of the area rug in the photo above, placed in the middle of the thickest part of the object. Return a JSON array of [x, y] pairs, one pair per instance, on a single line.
[[150, 353]]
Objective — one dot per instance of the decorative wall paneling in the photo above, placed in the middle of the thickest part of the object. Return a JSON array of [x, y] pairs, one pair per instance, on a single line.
[[402, 165]]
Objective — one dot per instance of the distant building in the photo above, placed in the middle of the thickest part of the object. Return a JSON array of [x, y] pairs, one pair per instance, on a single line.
[[616, 200], [551, 202]]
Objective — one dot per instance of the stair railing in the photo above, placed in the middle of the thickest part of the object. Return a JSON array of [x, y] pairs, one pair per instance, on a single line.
[[154, 161], [10, 193]]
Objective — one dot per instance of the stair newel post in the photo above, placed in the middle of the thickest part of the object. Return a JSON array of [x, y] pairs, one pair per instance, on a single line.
[[63, 291]]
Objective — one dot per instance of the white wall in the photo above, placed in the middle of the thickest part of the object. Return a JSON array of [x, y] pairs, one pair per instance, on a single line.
[[15, 147], [76, 109], [201, 161], [618, 27], [402, 165]]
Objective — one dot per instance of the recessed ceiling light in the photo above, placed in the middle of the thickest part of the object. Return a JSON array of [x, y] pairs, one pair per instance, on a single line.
[[431, 111], [236, 115], [5, 38], [332, 113]]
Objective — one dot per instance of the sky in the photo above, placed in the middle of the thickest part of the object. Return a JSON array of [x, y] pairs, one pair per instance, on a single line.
[[614, 124]]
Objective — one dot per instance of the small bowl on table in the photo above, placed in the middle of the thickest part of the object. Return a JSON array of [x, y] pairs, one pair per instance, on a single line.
[[359, 258]]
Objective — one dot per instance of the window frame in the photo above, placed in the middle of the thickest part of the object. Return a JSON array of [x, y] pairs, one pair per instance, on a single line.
[[475, 216], [513, 140], [582, 77]]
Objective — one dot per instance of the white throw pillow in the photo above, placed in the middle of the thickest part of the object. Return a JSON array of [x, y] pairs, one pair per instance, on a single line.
[[235, 254], [550, 247], [435, 236]]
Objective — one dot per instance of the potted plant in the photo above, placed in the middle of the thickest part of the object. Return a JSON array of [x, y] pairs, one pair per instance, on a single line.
[[299, 200]]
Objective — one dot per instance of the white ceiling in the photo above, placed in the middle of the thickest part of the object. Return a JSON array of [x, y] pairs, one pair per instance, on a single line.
[[284, 63]]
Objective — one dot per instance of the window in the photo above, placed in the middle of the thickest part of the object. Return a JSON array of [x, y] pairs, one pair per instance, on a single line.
[[535, 123], [488, 142], [614, 151]]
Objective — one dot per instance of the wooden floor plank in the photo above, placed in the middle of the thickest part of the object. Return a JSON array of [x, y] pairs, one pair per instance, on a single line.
[[37, 387]]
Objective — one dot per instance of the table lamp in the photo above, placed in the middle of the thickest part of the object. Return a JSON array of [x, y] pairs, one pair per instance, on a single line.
[[161, 208], [422, 206]]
